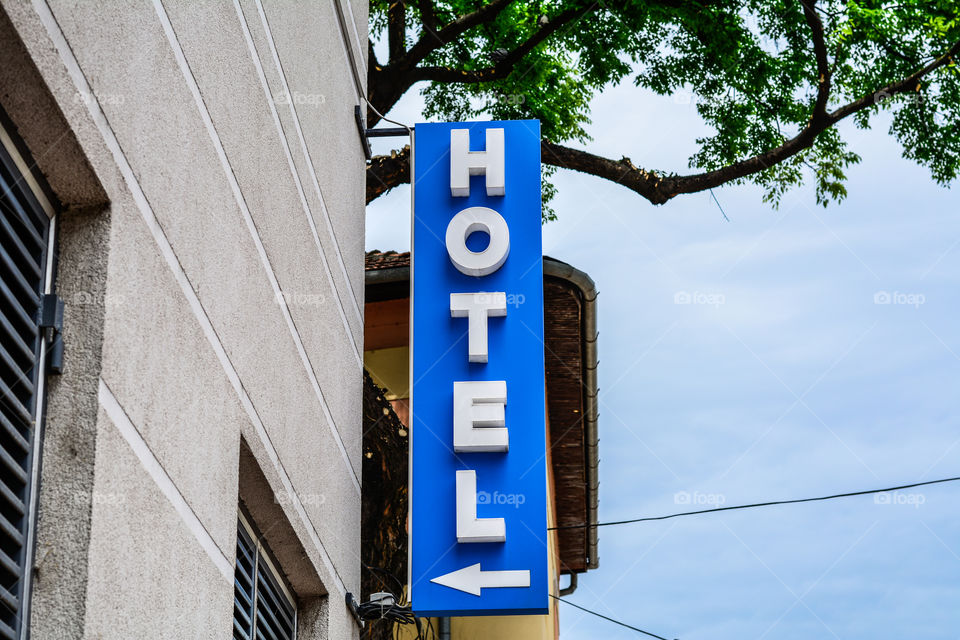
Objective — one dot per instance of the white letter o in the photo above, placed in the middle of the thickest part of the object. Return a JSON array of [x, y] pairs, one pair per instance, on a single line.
[[478, 263]]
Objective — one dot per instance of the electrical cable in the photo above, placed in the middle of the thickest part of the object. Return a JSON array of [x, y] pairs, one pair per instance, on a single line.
[[750, 506], [390, 612], [600, 615], [397, 611], [402, 597], [382, 611], [386, 119]]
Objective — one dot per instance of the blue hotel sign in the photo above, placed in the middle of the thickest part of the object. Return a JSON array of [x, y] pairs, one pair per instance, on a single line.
[[478, 478]]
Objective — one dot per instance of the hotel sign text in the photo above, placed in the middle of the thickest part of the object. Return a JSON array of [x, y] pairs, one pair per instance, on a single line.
[[478, 483]]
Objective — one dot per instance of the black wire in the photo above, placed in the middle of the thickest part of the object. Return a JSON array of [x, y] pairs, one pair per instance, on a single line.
[[600, 615], [750, 506], [400, 596], [392, 612]]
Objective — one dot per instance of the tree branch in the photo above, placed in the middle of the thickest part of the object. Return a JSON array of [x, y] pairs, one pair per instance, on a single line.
[[823, 64], [623, 172], [699, 182], [428, 16], [372, 63], [907, 84], [503, 67], [386, 172], [386, 85], [431, 41], [397, 29]]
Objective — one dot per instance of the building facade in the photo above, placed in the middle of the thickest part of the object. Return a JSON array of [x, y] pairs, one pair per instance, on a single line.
[[182, 453]]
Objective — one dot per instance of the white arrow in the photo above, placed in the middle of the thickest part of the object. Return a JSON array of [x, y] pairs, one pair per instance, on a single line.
[[471, 579]]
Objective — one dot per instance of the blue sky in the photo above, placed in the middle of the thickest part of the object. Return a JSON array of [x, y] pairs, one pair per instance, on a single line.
[[785, 376]]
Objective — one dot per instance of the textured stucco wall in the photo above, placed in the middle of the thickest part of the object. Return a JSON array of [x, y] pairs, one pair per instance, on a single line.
[[67, 485], [224, 296]]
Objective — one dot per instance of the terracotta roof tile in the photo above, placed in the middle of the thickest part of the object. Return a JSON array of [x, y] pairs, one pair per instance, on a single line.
[[377, 260]]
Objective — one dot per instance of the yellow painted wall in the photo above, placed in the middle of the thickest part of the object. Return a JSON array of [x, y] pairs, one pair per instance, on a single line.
[[389, 369]]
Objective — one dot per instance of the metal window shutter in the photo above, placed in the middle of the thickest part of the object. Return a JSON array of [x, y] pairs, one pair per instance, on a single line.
[[244, 586], [24, 229], [261, 609], [274, 612]]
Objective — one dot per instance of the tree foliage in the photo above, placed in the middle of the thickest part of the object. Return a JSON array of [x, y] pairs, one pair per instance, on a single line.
[[770, 78]]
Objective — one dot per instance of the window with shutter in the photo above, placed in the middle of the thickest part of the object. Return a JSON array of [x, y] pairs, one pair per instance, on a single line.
[[26, 235], [263, 609]]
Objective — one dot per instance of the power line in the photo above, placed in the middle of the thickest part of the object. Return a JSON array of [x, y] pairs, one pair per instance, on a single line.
[[757, 504], [600, 615]]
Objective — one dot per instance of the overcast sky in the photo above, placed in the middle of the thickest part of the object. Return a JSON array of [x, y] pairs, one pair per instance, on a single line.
[[785, 376]]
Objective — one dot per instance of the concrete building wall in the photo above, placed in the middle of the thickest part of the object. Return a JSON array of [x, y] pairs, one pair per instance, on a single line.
[[214, 295]]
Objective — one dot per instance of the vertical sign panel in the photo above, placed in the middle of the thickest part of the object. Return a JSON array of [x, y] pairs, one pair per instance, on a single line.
[[478, 515]]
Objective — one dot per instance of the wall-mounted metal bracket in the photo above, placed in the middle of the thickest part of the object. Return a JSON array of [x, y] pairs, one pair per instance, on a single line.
[[366, 134], [51, 320], [352, 605]]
